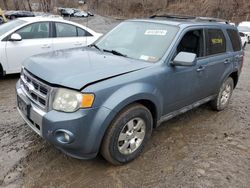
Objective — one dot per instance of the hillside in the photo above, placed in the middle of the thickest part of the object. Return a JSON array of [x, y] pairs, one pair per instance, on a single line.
[[234, 10]]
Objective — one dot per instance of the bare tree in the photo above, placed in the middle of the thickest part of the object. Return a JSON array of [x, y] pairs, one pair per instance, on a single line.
[[16, 4], [29, 5], [5, 4], [46, 5]]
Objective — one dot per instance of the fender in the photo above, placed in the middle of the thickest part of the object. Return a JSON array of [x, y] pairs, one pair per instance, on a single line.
[[134, 92], [226, 75], [120, 99]]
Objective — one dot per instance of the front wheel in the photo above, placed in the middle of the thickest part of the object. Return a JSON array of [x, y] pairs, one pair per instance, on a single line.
[[224, 95], [1, 72], [127, 135]]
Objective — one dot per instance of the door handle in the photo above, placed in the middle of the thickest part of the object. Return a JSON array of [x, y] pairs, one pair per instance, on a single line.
[[46, 46], [201, 68], [226, 61], [78, 43]]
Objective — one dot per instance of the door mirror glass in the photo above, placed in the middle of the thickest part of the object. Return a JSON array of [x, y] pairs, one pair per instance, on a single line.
[[15, 37], [185, 59]]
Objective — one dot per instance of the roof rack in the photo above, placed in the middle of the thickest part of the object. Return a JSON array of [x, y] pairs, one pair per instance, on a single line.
[[192, 18]]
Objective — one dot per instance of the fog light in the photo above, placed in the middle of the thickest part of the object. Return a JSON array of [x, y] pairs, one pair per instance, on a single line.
[[64, 136]]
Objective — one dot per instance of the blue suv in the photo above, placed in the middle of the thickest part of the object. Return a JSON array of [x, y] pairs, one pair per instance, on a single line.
[[108, 97]]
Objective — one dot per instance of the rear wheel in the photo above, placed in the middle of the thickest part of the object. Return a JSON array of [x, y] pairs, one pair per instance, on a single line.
[[224, 95], [127, 135]]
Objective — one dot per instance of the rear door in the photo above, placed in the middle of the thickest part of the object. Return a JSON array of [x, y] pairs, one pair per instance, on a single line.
[[36, 39], [220, 61], [236, 48], [70, 36]]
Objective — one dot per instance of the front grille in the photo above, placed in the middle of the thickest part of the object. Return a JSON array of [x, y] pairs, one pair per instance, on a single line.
[[36, 90]]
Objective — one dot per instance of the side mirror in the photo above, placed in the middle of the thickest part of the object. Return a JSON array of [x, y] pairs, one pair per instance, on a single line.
[[185, 59], [15, 37]]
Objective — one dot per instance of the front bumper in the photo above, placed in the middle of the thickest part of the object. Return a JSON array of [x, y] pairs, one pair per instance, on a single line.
[[85, 127]]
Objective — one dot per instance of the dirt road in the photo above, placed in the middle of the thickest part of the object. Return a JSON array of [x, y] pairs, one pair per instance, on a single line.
[[200, 148]]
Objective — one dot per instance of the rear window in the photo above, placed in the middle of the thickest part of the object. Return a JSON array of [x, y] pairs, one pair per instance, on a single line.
[[82, 33], [216, 42], [235, 39], [242, 34], [65, 30]]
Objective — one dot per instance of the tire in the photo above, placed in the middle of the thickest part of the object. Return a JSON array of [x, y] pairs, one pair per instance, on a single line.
[[1, 72], [1, 20], [244, 46], [124, 140], [12, 17], [222, 99]]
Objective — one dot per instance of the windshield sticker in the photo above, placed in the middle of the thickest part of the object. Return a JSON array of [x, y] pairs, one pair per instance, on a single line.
[[144, 57], [148, 58], [156, 32], [217, 41]]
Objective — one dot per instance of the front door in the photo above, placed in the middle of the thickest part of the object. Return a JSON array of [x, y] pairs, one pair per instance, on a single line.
[[35, 40], [183, 83]]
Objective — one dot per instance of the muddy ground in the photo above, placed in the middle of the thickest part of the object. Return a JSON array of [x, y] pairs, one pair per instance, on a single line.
[[201, 148]]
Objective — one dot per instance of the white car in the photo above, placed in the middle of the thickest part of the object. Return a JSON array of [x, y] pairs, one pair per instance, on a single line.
[[25, 37], [245, 29], [81, 14], [244, 39]]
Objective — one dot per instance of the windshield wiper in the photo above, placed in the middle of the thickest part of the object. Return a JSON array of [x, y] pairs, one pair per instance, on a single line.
[[93, 45], [115, 52]]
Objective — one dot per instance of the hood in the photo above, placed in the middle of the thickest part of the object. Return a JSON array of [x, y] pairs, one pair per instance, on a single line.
[[76, 68]]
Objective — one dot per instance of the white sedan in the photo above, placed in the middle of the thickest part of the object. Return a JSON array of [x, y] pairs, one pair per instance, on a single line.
[[25, 37], [244, 39]]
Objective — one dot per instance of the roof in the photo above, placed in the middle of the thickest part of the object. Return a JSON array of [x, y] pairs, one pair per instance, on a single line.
[[54, 19], [186, 21], [40, 18]]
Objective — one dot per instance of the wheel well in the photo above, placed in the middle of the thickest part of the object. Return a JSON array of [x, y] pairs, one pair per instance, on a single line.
[[235, 78], [152, 108]]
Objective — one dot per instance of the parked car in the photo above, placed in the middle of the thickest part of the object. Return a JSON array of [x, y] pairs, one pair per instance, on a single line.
[[90, 13], [44, 14], [245, 30], [81, 14], [108, 97], [18, 14], [245, 23], [2, 17], [24, 37], [66, 11], [244, 39]]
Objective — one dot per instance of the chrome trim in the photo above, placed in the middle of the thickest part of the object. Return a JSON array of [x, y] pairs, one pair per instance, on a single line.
[[184, 109], [33, 87], [29, 123], [36, 114]]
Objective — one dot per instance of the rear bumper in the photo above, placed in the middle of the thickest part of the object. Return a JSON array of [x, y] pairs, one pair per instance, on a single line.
[[84, 128]]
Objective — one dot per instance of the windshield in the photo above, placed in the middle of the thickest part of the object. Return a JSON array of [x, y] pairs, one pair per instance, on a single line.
[[139, 40], [244, 28], [10, 25]]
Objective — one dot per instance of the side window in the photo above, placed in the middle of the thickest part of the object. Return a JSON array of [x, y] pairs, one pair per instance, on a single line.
[[35, 31], [193, 42], [235, 39], [65, 30], [216, 42], [82, 33]]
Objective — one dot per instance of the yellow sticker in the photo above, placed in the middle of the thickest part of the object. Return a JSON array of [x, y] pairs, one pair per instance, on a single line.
[[217, 41]]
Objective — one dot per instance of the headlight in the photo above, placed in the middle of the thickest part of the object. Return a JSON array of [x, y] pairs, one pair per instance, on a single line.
[[69, 101]]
